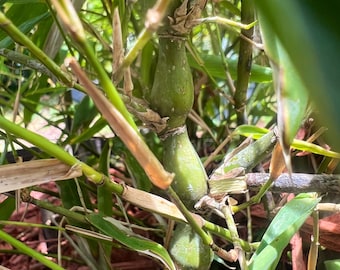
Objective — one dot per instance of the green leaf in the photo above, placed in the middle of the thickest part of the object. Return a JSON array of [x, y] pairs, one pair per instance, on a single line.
[[137, 173], [257, 132], [89, 132], [292, 95], [127, 237], [332, 264], [84, 114], [305, 37], [251, 131], [104, 195], [285, 224], [25, 21], [6, 208], [214, 66]]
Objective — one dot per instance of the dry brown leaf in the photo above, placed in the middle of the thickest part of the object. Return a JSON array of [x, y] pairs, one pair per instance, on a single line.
[[26, 174]]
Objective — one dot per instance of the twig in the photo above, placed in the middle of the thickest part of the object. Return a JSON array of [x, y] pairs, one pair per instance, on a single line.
[[299, 182]]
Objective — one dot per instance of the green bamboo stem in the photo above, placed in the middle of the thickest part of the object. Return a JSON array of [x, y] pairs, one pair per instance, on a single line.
[[314, 248], [244, 61], [29, 251], [224, 233], [154, 18], [59, 153], [7, 26], [26, 61], [225, 209], [255, 199], [59, 210], [71, 20], [206, 238], [227, 22], [31, 225]]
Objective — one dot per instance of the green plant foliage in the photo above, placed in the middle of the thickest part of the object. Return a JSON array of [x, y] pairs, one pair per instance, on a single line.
[[84, 114], [213, 65], [332, 264], [7, 208], [25, 21], [280, 231], [315, 62], [292, 96], [187, 75], [127, 237]]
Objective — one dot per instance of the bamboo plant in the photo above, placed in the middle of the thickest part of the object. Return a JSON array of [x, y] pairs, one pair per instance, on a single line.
[[170, 79]]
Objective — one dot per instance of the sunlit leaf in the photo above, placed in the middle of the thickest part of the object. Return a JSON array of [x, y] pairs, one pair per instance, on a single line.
[[257, 132], [285, 224]]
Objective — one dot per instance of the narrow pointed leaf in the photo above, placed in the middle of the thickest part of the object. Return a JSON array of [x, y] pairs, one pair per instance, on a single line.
[[292, 96], [282, 228], [215, 67], [125, 236]]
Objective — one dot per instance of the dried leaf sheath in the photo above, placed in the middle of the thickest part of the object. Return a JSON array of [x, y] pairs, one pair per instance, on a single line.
[[35, 172]]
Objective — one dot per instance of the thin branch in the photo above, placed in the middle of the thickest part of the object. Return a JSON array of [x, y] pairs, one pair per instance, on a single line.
[[299, 182]]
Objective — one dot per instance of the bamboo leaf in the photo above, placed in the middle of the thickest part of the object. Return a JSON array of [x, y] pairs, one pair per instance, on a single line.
[[281, 229], [89, 132], [317, 63], [84, 114], [251, 131], [6, 208], [25, 21], [332, 264], [292, 95], [127, 237], [215, 67], [257, 132]]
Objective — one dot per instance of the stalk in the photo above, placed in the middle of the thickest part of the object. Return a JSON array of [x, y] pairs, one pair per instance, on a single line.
[[59, 153], [71, 20], [29, 251], [244, 62], [172, 96]]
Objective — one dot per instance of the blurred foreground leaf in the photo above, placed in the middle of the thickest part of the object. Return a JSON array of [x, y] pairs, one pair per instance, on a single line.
[[310, 37]]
